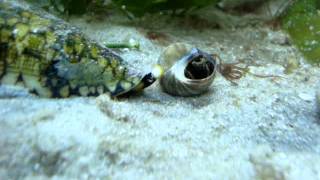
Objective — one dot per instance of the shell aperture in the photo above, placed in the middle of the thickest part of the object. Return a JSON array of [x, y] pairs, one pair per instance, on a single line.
[[191, 74]]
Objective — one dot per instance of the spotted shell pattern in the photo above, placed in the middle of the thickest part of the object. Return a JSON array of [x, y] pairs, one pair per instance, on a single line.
[[53, 59]]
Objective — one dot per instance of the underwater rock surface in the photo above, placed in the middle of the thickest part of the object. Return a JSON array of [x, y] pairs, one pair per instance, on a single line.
[[264, 128]]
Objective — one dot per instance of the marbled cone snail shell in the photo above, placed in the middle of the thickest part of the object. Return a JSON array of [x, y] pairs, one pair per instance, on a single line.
[[187, 71], [54, 59]]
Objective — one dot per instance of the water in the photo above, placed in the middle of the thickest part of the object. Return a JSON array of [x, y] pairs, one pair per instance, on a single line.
[[261, 128]]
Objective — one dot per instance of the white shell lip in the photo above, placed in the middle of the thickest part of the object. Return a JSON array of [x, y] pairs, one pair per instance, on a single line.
[[175, 81]]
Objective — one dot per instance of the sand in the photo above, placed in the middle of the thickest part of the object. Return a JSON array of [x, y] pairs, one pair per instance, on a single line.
[[264, 128]]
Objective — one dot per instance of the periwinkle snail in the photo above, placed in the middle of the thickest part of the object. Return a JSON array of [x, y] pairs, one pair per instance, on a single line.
[[189, 71]]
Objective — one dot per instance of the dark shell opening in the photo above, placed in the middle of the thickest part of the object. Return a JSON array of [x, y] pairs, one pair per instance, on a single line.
[[199, 68]]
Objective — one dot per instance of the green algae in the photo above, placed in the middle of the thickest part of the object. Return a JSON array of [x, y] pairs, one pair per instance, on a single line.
[[302, 22]]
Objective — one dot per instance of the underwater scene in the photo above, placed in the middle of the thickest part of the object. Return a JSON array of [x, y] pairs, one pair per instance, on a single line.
[[160, 89]]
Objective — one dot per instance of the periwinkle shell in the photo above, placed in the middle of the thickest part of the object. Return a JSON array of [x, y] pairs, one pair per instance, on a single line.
[[187, 71]]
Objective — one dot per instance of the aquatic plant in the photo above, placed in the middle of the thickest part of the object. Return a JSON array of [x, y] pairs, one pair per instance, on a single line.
[[302, 22]]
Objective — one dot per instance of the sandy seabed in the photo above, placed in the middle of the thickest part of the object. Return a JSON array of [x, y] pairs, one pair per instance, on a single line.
[[264, 128]]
